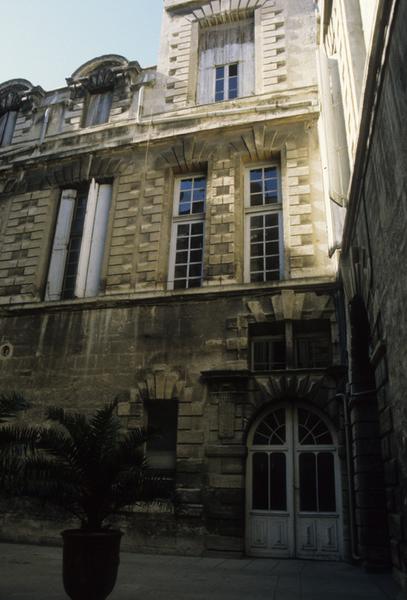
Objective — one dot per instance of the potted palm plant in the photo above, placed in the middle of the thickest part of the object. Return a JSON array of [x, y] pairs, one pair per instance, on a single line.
[[13, 438], [88, 467]]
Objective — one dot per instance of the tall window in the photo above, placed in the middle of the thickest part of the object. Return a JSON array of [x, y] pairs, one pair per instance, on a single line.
[[7, 125], [79, 242], [186, 255], [264, 225], [161, 448], [226, 62], [98, 109]]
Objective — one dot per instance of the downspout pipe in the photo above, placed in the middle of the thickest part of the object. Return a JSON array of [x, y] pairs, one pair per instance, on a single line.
[[349, 467]]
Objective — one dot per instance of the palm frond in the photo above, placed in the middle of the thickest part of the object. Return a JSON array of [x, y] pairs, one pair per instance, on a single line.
[[10, 404], [18, 437], [86, 466]]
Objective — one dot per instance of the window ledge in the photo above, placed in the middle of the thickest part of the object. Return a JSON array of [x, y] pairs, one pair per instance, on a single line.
[[315, 284]]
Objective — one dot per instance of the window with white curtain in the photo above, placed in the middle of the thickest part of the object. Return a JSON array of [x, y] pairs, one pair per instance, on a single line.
[[226, 62], [79, 242]]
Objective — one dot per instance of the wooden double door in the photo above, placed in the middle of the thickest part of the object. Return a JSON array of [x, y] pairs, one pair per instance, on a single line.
[[293, 487]]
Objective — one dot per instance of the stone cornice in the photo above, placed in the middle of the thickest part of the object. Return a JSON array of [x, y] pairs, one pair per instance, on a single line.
[[278, 108]]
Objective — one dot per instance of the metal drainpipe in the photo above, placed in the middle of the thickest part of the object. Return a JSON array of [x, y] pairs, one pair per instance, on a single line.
[[44, 126], [140, 101], [349, 467]]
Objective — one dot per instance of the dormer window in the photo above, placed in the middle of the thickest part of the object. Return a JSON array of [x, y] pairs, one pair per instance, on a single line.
[[98, 109], [226, 61], [99, 85], [7, 125]]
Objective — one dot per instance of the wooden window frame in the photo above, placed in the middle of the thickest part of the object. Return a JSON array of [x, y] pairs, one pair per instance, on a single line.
[[262, 210], [185, 219]]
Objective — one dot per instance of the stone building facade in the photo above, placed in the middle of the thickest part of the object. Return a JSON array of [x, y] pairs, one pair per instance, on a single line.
[[169, 235], [362, 64]]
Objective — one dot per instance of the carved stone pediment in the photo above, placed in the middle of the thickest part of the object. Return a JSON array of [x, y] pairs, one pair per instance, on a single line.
[[100, 81], [9, 100], [160, 384], [19, 94], [283, 386]]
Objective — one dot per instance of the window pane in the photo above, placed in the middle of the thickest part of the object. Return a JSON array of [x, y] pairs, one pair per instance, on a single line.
[[272, 220], [260, 481], [198, 207], [278, 485], [220, 72], [192, 283], [311, 429], [326, 482], [197, 241], [272, 276], [233, 70], [271, 430], [313, 352], [256, 199], [219, 85], [308, 482], [272, 263], [270, 172], [256, 174], [181, 272], [256, 264], [196, 255], [182, 243], [270, 197], [197, 228], [185, 184], [188, 256], [195, 270], [257, 249], [180, 284], [272, 248], [233, 88], [183, 230], [199, 194], [269, 354]]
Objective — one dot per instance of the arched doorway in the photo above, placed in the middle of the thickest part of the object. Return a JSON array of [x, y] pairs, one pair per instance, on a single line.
[[293, 486]]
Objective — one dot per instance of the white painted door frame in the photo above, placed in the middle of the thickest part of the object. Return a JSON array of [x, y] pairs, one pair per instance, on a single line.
[[293, 533]]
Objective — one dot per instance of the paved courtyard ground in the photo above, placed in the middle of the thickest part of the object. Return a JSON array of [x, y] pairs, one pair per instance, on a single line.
[[34, 573]]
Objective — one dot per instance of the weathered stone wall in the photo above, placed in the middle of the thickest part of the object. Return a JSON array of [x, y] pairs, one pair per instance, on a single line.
[[159, 348], [141, 216], [374, 269], [284, 34]]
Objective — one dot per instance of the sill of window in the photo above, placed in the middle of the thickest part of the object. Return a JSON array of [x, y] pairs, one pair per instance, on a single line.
[[228, 289], [292, 370]]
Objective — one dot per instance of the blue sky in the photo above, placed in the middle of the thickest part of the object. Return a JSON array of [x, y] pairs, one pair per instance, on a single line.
[[45, 41]]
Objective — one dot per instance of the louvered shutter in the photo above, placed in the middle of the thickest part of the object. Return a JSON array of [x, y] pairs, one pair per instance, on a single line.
[[60, 245], [98, 241]]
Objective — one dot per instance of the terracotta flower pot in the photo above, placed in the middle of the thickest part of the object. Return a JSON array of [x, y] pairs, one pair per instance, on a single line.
[[90, 563]]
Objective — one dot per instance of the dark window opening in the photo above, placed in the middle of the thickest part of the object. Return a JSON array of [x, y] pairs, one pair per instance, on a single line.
[[74, 246], [312, 342], [162, 447], [98, 109]]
